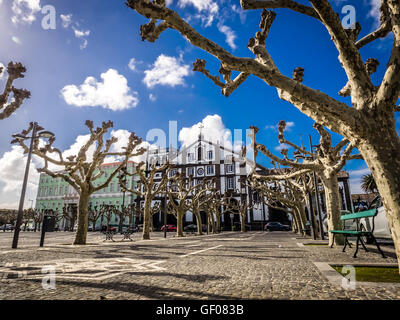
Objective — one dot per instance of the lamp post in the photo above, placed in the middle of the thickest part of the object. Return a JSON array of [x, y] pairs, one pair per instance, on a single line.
[[37, 132]]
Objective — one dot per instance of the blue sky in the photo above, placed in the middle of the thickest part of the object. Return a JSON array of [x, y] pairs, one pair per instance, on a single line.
[[99, 39]]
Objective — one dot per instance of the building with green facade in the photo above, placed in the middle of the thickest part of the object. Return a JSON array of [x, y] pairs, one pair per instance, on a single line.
[[55, 193]]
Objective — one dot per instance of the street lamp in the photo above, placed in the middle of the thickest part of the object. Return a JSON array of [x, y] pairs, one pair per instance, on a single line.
[[37, 132]]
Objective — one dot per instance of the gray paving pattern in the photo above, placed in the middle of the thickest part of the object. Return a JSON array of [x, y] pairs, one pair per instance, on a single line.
[[253, 265]]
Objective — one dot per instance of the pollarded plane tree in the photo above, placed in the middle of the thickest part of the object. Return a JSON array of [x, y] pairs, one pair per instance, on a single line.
[[180, 192], [240, 207], [69, 214], [81, 170], [200, 196], [300, 182], [38, 219], [94, 215], [368, 122], [28, 215], [281, 194], [148, 188], [106, 212], [138, 210], [326, 162], [7, 106], [213, 208]]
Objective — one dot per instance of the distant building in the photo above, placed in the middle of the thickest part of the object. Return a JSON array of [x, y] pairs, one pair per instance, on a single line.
[[205, 159], [55, 193]]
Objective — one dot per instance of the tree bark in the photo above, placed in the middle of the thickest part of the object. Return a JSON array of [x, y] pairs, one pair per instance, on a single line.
[[212, 221], [382, 155], [243, 222], [332, 199], [302, 218], [83, 222], [199, 222], [179, 224], [218, 224], [146, 220], [312, 216], [295, 226]]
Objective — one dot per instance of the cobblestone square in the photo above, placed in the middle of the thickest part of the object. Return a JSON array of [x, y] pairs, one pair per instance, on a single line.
[[231, 265]]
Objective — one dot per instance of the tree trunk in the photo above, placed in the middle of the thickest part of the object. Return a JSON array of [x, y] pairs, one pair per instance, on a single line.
[[212, 222], [199, 222], [179, 224], [146, 219], [333, 210], [312, 215], [295, 227], [218, 224], [382, 155], [243, 221], [83, 222], [302, 218], [121, 220]]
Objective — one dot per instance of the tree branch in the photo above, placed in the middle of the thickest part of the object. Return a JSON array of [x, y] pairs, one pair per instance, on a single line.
[[278, 4]]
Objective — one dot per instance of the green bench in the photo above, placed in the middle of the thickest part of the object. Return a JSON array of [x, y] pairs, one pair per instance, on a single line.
[[358, 233]]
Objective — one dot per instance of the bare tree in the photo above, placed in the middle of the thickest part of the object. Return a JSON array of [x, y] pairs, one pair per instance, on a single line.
[[200, 197], [327, 162], [70, 215], [213, 208], [38, 218], [180, 193], [15, 71], [283, 195], [240, 207], [148, 188], [28, 215], [7, 216], [94, 215], [369, 123], [80, 171], [106, 211]]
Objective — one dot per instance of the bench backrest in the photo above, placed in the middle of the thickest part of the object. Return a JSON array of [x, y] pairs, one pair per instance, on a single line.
[[359, 215]]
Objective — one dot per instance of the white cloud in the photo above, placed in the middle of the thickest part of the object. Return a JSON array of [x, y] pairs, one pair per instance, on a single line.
[[281, 147], [25, 11], [289, 126], [229, 34], [152, 97], [374, 11], [356, 179], [66, 20], [208, 9], [200, 5], [132, 64], [212, 129], [240, 12], [12, 166], [112, 92], [81, 34], [123, 137], [168, 71], [16, 40], [77, 145]]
